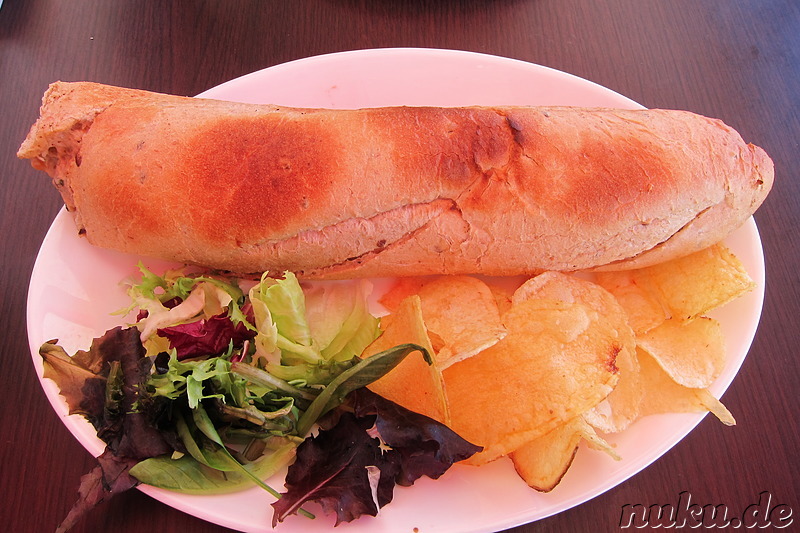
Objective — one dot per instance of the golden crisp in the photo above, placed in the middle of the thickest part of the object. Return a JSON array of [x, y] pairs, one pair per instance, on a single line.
[[543, 462], [413, 383], [691, 353], [557, 361], [621, 407], [460, 311], [664, 395], [644, 309]]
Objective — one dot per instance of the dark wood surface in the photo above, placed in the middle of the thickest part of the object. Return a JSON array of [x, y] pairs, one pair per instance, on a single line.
[[738, 60]]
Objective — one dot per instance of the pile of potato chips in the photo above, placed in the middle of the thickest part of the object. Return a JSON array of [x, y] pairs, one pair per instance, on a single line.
[[532, 368]]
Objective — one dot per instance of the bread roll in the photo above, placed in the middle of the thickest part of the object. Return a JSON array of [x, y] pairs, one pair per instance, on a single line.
[[392, 191]]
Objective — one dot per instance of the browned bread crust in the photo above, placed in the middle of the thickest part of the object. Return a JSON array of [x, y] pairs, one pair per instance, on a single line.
[[392, 191]]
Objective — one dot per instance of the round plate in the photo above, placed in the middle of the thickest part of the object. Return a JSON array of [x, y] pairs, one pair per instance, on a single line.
[[75, 287]]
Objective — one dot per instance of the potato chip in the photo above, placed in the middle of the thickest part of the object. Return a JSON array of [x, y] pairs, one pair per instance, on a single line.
[[557, 361], [714, 406], [644, 309], [691, 353], [570, 289], [692, 286], [564, 287], [579, 355], [401, 289], [413, 383], [664, 395], [621, 407], [543, 462], [596, 442], [462, 313], [503, 289]]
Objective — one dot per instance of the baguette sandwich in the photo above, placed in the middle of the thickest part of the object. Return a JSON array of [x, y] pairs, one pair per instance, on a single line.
[[392, 191]]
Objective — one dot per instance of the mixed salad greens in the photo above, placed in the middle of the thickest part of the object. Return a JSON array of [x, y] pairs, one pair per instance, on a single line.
[[213, 388]]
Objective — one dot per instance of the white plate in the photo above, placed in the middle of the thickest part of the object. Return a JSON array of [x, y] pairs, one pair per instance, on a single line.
[[74, 287]]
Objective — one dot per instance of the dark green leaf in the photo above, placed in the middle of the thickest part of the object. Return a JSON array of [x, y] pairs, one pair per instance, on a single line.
[[360, 375]]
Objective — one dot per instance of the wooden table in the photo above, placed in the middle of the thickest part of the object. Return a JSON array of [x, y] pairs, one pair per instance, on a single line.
[[738, 60]]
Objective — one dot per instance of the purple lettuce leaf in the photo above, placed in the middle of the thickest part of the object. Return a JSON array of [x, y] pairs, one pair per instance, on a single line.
[[351, 467], [104, 385], [109, 478], [130, 430], [332, 469], [426, 447], [82, 389], [202, 337]]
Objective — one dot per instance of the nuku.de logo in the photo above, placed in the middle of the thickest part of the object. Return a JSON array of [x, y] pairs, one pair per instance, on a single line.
[[685, 514]]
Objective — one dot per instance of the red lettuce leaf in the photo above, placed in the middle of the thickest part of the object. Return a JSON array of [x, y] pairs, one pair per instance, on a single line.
[[109, 478], [426, 447], [331, 469], [399, 445], [202, 337], [82, 389], [104, 384], [130, 431]]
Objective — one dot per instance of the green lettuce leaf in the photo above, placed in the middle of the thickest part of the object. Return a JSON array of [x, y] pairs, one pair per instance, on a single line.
[[339, 319], [185, 474], [311, 336], [359, 375], [279, 310]]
